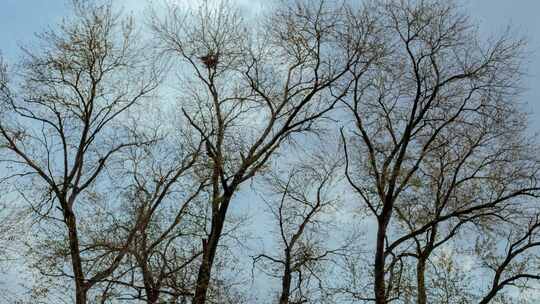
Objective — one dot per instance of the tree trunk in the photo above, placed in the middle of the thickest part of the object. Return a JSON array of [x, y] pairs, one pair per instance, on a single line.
[[210, 248], [380, 254], [80, 286], [380, 286], [286, 282], [421, 281], [152, 296], [152, 292]]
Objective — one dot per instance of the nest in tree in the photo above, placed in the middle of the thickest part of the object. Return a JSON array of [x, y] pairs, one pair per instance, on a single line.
[[210, 60]]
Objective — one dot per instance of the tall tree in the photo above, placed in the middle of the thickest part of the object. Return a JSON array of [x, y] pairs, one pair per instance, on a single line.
[[247, 94], [61, 125], [131, 206], [301, 203], [436, 121]]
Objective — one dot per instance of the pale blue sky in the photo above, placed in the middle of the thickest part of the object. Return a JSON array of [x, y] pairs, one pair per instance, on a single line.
[[19, 19]]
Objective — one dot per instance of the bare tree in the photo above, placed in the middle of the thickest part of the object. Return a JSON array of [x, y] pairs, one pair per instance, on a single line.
[[131, 206], [162, 192], [60, 125], [279, 83], [302, 208], [434, 81], [461, 189]]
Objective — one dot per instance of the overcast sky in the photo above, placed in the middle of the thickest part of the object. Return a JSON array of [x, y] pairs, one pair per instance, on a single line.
[[20, 19]]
